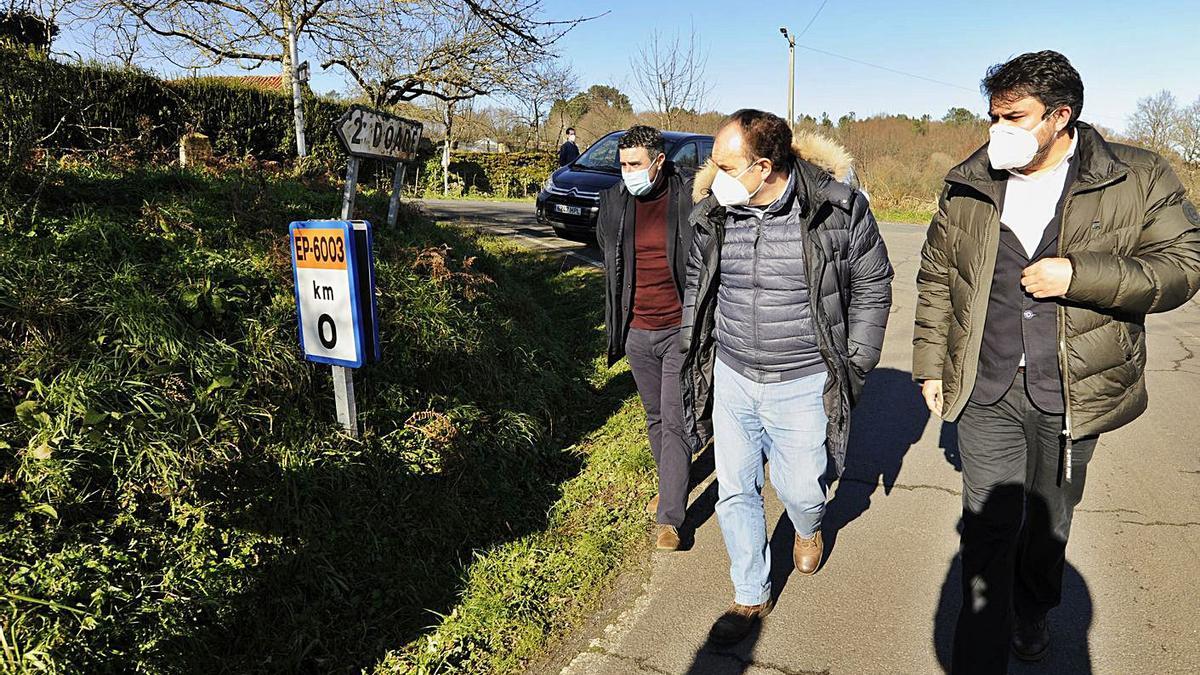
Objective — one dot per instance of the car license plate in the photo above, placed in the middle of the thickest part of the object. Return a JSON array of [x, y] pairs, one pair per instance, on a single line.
[[569, 210]]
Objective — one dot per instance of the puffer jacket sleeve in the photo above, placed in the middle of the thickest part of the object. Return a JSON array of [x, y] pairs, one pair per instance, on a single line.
[[1164, 271], [870, 288], [934, 311]]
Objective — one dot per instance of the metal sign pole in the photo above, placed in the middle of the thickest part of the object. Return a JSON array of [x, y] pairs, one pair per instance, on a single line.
[[351, 185], [343, 378], [397, 186]]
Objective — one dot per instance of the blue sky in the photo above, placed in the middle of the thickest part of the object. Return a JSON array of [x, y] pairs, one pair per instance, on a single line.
[[1124, 50]]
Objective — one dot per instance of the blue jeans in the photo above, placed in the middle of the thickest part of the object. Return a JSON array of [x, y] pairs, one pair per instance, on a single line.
[[785, 423]]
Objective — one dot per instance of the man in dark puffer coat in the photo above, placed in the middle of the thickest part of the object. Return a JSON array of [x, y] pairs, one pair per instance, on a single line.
[[1044, 258], [787, 297]]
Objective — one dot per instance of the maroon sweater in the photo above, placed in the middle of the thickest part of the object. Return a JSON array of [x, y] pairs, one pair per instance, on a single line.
[[656, 303]]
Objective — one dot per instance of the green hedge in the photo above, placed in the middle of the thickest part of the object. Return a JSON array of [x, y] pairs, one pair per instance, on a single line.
[[499, 174], [95, 107]]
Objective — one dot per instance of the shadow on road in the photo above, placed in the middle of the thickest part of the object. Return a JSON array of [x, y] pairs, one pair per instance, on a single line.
[[1069, 623], [732, 660], [703, 507], [888, 420], [948, 442]]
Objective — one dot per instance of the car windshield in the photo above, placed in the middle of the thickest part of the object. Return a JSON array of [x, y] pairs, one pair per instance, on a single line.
[[603, 156]]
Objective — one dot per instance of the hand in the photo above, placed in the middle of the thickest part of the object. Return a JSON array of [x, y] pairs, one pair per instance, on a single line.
[[1047, 278], [932, 391]]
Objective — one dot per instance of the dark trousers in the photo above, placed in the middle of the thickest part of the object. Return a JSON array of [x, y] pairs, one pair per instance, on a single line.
[[656, 362], [1016, 519]]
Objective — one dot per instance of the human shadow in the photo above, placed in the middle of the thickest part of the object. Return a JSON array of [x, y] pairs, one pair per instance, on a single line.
[[1069, 623], [735, 659], [712, 659], [702, 508], [948, 442], [889, 419]]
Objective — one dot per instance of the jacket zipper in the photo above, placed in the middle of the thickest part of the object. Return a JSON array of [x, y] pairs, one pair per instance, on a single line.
[[754, 295], [1063, 361]]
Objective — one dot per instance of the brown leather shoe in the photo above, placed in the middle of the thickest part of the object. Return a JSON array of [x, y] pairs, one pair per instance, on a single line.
[[807, 554], [652, 506], [667, 539], [737, 621]]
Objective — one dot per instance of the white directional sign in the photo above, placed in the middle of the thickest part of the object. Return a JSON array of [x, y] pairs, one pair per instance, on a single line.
[[365, 132], [334, 291]]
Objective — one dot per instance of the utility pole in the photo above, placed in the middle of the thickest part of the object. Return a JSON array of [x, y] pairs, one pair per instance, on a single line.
[[791, 77]]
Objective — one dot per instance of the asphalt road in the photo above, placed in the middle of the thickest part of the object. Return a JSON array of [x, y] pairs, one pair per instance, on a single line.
[[514, 220], [887, 597]]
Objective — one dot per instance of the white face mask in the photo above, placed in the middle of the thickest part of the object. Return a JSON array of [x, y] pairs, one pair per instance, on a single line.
[[1012, 147], [729, 191], [638, 182]]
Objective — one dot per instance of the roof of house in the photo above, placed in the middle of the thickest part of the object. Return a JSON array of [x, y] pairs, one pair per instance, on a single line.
[[265, 82]]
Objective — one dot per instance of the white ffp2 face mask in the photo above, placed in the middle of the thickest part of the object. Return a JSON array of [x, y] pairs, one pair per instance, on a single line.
[[729, 191], [1012, 147]]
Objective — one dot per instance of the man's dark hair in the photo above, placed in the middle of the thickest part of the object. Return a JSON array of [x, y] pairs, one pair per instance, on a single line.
[[765, 136], [570, 130], [642, 136], [1047, 76]]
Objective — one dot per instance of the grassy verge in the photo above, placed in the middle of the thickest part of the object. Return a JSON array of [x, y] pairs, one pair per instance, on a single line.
[[914, 216], [174, 495]]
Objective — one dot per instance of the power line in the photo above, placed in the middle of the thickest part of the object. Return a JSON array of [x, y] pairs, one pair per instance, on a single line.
[[1103, 118], [814, 18], [890, 70]]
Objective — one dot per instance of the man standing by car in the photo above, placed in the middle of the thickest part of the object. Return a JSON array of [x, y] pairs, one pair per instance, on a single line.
[[568, 152], [1049, 247], [642, 229], [787, 297]]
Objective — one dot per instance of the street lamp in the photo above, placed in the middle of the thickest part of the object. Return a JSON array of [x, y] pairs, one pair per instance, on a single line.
[[791, 77]]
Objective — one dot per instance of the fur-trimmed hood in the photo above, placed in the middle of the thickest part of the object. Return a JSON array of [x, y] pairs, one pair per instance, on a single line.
[[820, 151]]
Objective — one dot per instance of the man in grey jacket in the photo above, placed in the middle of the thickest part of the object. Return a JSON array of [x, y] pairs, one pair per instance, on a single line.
[[787, 296]]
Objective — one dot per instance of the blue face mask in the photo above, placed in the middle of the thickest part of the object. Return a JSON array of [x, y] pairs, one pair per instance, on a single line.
[[638, 182]]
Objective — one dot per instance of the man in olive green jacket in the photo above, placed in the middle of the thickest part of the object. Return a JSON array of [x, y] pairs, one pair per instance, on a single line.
[[1049, 247]]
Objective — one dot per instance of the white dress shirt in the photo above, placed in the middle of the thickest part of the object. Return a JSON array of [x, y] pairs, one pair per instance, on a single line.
[[1030, 201]]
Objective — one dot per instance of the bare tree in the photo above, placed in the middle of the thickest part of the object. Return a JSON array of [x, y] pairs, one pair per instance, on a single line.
[[1186, 136], [203, 33], [249, 33], [1154, 121], [436, 47], [669, 74], [536, 90]]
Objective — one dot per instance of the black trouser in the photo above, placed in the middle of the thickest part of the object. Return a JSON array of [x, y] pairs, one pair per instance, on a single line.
[[1016, 519], [656, 361]]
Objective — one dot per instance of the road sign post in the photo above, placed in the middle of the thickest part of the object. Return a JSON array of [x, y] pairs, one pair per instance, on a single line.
[[364, 133], [397, 187], [372, 134], [333, 268]]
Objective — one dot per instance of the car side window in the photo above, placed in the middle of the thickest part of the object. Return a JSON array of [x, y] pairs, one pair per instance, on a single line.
[[686, 157], [705, 151]]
